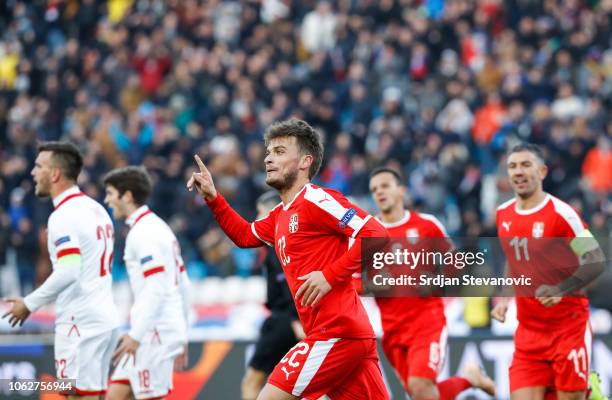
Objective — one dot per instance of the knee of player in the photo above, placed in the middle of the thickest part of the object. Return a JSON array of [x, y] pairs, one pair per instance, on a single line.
[[118, 392], [422, 389], [571, 395]]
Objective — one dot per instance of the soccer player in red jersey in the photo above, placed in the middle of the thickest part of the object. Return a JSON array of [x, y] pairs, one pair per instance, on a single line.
[[316, 233], [553, 338], [414, 327]]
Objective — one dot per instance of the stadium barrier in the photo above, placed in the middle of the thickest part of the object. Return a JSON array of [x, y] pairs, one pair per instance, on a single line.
[[216, 367]]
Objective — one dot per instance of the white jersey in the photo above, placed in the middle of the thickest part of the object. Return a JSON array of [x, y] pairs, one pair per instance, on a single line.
[[154, 265], [84, 303]]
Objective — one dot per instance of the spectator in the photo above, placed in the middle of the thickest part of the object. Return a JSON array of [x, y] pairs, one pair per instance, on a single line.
[[597, 167], [319, 28], [439, 91]]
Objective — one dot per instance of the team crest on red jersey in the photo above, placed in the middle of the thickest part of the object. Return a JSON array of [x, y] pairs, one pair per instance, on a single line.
[[413, 235], [293, 223], [538, 229]]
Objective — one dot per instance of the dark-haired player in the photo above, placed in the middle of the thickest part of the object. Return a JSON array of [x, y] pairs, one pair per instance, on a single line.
[[414, 327], [316, 233], [553, 338], [80, 241], [145, 356]]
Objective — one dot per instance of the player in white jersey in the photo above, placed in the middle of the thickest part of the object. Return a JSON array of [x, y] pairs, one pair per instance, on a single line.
[[80, 242], [146, 354]]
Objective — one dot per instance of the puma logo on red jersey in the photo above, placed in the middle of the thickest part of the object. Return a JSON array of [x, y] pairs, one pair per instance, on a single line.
[[506, 225], [287, 373]]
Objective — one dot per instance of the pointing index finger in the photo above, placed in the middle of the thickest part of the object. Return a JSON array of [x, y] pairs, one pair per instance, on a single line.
[[200, 163]]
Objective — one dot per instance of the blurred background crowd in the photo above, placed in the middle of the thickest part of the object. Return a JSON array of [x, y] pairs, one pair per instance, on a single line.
[[438, 89]]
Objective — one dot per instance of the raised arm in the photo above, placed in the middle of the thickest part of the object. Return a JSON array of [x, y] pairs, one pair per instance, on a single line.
[[234, 226]]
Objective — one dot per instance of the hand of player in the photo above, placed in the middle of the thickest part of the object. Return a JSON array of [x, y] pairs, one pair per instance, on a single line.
[[548, 295], [18, 312], [181, 361], [313, 289], [202, 181], [298, 329], [501, 308], [128, 346]]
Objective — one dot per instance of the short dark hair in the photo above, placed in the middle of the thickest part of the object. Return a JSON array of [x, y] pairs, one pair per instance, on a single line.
[[269, 199], [394, 172], [309, 141], [66, 156], [530, 147], [132, 178]]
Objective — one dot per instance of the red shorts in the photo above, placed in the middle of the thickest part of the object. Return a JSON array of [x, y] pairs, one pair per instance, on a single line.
[[557, 358], [419, 351], [344, 369]]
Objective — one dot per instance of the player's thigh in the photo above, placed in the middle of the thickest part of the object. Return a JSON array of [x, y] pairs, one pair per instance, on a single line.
[[65, 350], [427, 352], [578, 395], [527, 373], [315, 367], [531, 364], [94, 357], [572, 359], [529, 393], [252, 382], [422, 388], [149, 375], [84, 359], [153, 380], [119, 391], [365, 383], [397, 354]]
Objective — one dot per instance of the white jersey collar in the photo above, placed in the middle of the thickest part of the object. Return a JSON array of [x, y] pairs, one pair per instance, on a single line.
[[137, 215], [71, 191], [532, 209], [402, 221]]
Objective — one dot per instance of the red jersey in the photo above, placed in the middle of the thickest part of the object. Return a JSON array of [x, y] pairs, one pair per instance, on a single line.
[[399, 312], [309, 233], [520, 231]]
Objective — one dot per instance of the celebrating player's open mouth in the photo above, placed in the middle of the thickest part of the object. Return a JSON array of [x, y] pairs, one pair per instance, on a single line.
[[520, 183]]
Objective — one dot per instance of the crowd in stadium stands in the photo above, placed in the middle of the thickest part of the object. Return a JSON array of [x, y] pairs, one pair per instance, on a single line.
[[438, 89]]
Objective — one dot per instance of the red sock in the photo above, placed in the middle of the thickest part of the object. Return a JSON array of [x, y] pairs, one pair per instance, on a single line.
[[451, 387]]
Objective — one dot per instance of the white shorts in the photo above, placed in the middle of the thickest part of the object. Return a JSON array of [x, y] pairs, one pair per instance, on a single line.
[[151, 375], [84, 359]]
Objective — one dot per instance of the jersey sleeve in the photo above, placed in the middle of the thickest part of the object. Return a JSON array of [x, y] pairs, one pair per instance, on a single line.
[[153, 268], [263, 228], [234, 226], [63, 241], [66, 258], [184, 283], [334, 213], [571, 226]]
